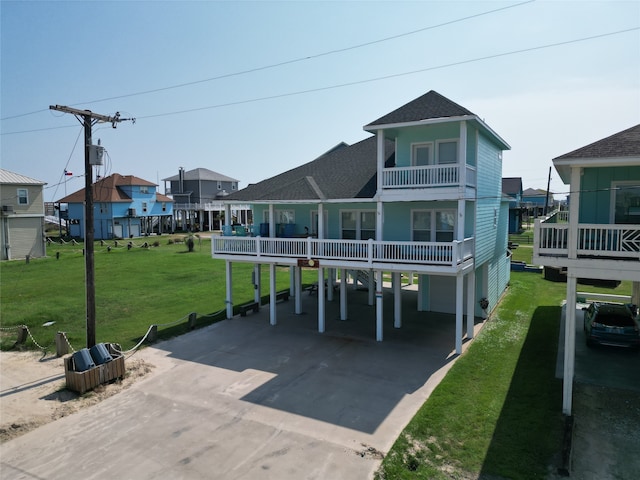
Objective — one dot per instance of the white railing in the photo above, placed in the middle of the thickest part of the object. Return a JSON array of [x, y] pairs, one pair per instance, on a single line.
[[422, 176], [597, 240], [369, 251], [208, 207]]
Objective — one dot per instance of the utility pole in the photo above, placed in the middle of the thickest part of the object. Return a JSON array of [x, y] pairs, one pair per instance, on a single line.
[[546, 200], [88, 119]]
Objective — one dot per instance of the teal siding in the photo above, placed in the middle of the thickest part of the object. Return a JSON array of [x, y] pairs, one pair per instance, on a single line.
[[595, 195], [429, 133], [489, 188]]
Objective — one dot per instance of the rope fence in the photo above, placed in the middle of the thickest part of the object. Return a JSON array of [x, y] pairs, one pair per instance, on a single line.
[[62, 342]]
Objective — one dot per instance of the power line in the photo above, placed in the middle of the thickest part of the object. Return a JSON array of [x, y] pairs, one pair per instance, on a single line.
[[286, 62], [370, 80]]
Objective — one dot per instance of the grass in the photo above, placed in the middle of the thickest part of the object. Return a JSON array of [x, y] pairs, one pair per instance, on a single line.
[[497, 412], [134, 289]]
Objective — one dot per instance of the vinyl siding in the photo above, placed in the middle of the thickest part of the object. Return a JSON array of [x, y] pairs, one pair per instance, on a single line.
[[595, 196]]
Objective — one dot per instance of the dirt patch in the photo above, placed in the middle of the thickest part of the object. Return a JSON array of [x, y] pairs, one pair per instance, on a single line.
[[33, 391]]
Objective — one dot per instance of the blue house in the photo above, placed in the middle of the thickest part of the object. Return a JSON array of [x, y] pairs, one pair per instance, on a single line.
[[512, 188], [600, 237], [421, 195], [534, 201], [124, 206]]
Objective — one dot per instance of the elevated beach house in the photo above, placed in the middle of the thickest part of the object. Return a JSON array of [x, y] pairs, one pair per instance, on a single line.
[[422, 195], [124, 206], [599, 237]]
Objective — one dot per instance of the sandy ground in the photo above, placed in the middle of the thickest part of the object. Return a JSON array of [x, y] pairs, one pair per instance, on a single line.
[[32, 391]]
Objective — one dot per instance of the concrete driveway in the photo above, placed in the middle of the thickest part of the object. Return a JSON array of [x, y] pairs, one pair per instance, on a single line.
[[243, 400]]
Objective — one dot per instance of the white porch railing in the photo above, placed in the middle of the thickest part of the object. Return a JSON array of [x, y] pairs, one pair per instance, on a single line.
[[595, 240], [427, 176], [207, 207], [369, 251]]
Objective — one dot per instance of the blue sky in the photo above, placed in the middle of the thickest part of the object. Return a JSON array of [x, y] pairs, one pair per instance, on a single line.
[[354, 59]]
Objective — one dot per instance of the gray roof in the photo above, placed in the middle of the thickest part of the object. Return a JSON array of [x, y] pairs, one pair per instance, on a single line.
[[345, 172], [8, 177], [201, 174], [428, 106], [622, 144], [512, 185]]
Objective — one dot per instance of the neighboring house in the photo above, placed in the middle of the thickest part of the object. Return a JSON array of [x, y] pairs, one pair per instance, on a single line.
[[22, 216], [600, 237], [534, 199], [512, 187], [422, 195], [197, 196], [124, 206]]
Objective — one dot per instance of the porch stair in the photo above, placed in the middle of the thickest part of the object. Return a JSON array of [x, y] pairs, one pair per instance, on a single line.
[[363, 278]]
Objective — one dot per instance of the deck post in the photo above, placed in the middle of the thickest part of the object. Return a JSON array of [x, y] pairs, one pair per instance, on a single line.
[[257, 284], [372, 285], [331, 273], [229, 284], [343, 294], [569, 343], [471, 295], [397, 300], [297, 273], [459, 295], [378, 285], [272, 294], [321, 300]]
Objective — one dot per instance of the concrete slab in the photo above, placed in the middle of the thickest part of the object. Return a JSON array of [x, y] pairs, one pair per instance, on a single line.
[[599, 365], [243, 400]]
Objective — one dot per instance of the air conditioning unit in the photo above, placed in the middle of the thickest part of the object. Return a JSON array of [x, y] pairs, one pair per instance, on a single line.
[[132, 212], [7, 208]]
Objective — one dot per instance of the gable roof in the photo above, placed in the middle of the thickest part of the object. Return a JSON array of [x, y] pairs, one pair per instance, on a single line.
[[535, 192], [432, 108], [347, 172], [619, 149], [10, 178], [512, 185], [201, 174], [106, 190]]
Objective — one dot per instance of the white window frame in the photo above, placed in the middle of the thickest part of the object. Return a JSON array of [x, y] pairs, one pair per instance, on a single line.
[[22, 194], [219, 185], [279, 215], [614, 190], [358, 228], [434, 226], [144, 207], [437, 151], [414, 156], [144, 189]]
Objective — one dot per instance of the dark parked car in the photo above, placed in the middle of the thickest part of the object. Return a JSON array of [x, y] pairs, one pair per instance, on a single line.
[[611, 324]]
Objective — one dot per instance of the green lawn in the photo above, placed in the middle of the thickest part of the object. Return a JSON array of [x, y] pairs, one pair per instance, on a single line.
[[134, 289]]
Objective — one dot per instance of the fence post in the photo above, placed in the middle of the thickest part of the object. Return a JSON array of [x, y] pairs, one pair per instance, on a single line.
[[192, 320], [62, 346], [22, 335]]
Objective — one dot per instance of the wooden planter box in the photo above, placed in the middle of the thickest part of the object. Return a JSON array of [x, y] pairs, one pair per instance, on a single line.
[[89, 379]]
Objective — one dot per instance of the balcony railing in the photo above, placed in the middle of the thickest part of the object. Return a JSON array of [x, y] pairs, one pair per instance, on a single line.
[[427, 176], [357, 251], [208, 206], [592, 240]]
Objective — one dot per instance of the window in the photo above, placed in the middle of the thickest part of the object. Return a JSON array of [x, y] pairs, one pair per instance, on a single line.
[[144, 206], [219, 185], [358, 225], [433, 225], [23, 196], [144, 189], [421, 154], [626, 203], [234, 185], [164, 206], [421, 224], [280, 216], [447, 152]]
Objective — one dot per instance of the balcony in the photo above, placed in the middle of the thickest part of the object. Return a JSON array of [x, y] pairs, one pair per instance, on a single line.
[[416, 256], [551, 239], [428, 176]]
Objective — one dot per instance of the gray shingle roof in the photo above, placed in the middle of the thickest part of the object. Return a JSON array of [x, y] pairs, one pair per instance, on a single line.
[[622, 144], [428, 106], [512, 185], [346, 172], [201, 174]]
